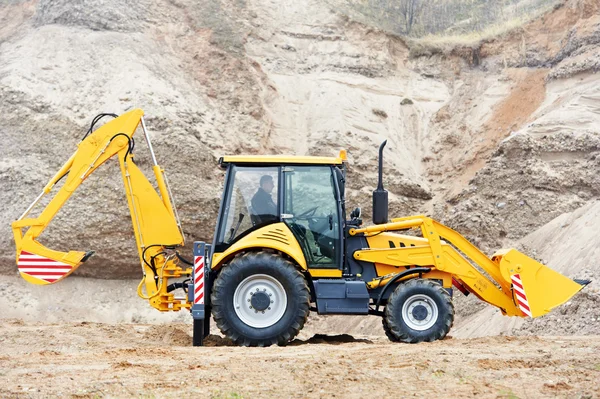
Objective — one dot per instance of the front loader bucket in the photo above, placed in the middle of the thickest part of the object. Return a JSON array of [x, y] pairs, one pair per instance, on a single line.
[[536, 288]]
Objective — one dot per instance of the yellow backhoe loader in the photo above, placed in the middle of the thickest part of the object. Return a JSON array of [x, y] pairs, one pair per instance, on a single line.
[[283, 247]]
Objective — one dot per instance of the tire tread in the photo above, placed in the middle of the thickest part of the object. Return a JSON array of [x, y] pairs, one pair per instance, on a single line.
[[230, 272], [393, 327]]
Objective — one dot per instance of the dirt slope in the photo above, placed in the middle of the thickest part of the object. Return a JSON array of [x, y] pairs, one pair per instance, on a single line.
[[541, 161], [299, 77], [566, 245]]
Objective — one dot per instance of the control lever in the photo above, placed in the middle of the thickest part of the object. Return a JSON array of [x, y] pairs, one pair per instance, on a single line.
[[233, 231]]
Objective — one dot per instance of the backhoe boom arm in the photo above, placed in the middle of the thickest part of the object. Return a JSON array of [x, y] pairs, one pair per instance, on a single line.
[[154, 218]]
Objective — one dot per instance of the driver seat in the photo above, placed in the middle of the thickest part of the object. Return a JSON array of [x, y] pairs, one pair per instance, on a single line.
[[254, 218]]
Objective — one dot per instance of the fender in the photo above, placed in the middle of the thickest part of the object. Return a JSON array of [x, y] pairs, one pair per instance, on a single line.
[[275, 236]]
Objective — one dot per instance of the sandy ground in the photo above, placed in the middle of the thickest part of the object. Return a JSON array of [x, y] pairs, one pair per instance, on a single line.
[[91, 360], [95, 338]]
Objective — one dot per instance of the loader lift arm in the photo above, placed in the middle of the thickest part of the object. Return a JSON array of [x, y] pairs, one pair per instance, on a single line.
[[516, 284], [155, 223]]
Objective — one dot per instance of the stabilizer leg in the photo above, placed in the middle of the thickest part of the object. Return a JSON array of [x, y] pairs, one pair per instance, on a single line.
[[198, 338], [200, 294]]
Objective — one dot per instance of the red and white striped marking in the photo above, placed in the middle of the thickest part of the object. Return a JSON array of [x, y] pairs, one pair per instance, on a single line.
[[42, 268], [199, 280], [520, 294]]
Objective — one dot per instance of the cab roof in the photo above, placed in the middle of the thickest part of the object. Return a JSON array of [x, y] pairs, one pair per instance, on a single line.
[[282, 160]]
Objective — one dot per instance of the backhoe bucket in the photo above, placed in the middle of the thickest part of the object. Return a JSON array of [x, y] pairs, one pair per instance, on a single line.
[[36, 269], [536, 288], [49, 266]]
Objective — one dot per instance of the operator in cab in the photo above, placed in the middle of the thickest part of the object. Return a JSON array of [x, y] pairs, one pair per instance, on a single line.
[[262, 202]]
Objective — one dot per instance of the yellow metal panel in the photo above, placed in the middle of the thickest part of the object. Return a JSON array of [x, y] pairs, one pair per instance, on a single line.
[[382, 240], [282, 159], [152, 221], [391, 271], [430, 232], [325, 272], [478, 283], [275, 236], [159, 174], [439, 275], [401, 225], [409, 256], [383, 270]]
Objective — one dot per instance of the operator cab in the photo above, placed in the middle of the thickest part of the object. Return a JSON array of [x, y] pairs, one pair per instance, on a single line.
[[305, 193]]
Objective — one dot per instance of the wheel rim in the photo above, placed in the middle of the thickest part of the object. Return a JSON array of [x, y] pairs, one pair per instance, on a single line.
[[419, 312], [260, 301]]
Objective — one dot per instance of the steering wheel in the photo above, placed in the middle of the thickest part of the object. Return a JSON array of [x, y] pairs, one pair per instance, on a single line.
[[308, 214]]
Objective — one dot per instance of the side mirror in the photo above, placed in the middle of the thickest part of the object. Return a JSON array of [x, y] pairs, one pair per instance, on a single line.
[[355, 219]]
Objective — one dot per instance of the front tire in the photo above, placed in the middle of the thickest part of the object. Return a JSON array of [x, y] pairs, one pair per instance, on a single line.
[[388, 331], [419, 310], [260, 299]]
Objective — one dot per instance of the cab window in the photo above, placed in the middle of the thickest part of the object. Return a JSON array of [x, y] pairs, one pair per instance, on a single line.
[[310, 209], [252, 194]]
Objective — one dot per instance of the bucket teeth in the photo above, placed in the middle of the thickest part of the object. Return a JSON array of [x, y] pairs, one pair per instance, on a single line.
[[582, 282]]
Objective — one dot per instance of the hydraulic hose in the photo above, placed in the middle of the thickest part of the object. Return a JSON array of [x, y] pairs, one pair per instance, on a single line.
[[96, 120], [141, 295]]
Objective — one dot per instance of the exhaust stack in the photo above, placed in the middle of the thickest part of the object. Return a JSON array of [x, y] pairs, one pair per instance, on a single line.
[[380, 196]]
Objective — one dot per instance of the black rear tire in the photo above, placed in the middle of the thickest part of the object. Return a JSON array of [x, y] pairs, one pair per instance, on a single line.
[[419, 310], [275, 271]]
